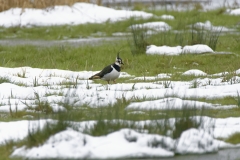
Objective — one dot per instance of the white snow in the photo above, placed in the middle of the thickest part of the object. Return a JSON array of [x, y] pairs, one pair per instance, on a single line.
[[50, 86], [156, 26], [208, 26], [79, 13], [73, 144], [197, 49], [197, 142], [17, 130], [164, 75], [130, 144], [166, 50], [234, 11], [55, 86], [176, 103], [195, 72], [150, 78], [170, 17]]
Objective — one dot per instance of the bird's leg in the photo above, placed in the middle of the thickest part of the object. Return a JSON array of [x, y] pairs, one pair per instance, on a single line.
[[108, 82], [114, 81]]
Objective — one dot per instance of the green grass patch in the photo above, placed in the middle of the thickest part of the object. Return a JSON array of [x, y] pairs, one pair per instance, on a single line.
[[93, 58], [39, 136], [88, 30], [234, 139], [7, 149], [4, 80]]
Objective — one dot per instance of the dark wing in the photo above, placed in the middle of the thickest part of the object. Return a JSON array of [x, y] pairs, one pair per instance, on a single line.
[[105, 70]]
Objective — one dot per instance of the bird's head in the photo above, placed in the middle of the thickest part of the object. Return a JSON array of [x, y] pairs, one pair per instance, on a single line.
[[118, 60]]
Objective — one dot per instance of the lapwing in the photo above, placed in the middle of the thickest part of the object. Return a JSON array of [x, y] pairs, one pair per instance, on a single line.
[[110, 72]]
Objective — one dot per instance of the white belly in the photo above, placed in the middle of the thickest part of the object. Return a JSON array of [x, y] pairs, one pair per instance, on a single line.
[[111, 76]]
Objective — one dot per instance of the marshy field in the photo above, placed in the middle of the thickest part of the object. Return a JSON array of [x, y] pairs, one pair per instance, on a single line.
[[178, 93]]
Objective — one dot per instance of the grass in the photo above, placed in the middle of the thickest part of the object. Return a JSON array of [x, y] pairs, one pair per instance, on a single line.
[[38, 136], [112, 118], [139, 40], [234, 139], [4, 5], [6, 150], [4, 80], [93, 57], [117, 111], [238, 99], [183, 22], [76, 59]]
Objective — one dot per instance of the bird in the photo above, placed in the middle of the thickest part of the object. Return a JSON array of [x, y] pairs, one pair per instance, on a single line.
[[110, 72]]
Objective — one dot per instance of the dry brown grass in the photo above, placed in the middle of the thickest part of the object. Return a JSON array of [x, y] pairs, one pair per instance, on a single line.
[[7, 4]]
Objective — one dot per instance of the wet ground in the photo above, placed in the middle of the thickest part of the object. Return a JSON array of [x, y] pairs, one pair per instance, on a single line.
[[45, 43], [226, 154]]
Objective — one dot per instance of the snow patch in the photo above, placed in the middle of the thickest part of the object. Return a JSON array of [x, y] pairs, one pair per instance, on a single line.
[[79, 13], [195, 72], [166, 50], [156, 26]]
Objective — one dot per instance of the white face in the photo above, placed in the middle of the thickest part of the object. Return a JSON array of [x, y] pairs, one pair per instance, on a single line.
[[118, 61]]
